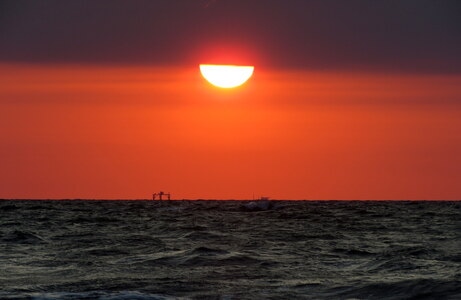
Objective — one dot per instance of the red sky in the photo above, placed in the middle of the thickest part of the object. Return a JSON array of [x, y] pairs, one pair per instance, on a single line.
[[91, 131], [350, 99]]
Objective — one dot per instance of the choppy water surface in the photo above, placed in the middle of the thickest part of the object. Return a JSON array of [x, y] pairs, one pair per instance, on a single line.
[[218, 250]]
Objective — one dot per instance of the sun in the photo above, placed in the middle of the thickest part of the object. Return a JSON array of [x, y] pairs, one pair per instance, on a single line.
[[226, 76]]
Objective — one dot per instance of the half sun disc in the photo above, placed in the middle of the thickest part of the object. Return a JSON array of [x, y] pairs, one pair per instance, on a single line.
[[226, 76]]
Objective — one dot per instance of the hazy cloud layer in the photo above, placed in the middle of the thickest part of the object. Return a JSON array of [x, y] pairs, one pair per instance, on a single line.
[[422, 35]]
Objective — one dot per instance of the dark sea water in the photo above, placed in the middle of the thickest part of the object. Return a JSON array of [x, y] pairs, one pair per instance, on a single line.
[[223, 250]]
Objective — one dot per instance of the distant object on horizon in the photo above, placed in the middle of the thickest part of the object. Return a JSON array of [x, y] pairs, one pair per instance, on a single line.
[[160, 195], [263, 203]]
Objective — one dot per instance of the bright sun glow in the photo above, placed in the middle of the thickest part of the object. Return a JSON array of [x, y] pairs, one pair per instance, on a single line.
[[226, 76]]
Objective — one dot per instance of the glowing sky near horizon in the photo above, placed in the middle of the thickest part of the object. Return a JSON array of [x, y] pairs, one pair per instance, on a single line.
[[125, 132]]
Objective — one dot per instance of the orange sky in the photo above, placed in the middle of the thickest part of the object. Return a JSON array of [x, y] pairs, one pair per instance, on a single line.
[[126, 132]]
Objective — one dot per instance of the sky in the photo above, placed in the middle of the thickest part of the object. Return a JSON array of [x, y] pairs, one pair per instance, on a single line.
[[349, 99]]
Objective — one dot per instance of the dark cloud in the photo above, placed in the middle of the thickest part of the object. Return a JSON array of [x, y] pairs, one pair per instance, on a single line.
[[420, 35]]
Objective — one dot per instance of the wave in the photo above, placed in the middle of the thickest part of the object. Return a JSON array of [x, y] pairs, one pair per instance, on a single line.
[[100, 295], [404, 289], [22, 237]]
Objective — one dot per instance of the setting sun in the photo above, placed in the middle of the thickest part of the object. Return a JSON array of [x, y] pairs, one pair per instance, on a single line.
[[226, 76]]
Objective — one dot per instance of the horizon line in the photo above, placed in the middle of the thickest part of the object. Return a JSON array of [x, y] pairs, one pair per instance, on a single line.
[[211, 199]]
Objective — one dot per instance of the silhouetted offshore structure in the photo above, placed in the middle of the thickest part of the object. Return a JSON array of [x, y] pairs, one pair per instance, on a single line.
[[160, 195]]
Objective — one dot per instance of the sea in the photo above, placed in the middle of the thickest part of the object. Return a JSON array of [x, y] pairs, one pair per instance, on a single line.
[[113, 250]]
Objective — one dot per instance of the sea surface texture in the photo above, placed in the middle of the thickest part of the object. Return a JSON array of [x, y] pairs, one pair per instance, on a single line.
[[230, 250]]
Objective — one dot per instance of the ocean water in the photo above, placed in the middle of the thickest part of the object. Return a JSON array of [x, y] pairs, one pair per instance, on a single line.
[[230, 250]]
